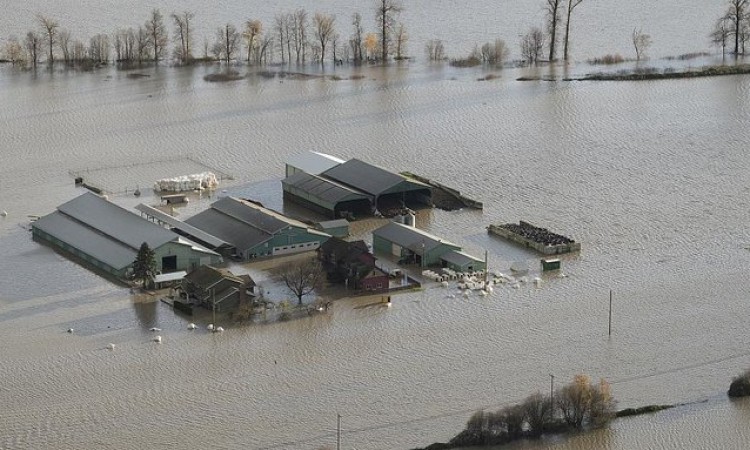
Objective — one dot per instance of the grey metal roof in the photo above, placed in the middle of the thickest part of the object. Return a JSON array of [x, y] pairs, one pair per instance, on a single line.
[[255, 215], [240, 234], [366, 177], [85, 239], [327, 190], [182, 226], [371, 179], [338, 223], [116, 222], [459, 258], [314, 162], [411, 237]]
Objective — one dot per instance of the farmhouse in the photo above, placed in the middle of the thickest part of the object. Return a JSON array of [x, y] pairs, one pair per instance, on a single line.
[[107, 237], [209, 286]]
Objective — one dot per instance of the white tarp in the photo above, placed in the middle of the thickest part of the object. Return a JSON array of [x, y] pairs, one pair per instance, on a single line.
[[197, 181]]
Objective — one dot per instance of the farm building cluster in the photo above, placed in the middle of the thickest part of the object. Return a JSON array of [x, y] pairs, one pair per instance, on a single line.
[[190, 253]]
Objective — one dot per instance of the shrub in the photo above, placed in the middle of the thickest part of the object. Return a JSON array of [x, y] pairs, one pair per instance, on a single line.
[[740, 386], [607, 60], [471, 61]]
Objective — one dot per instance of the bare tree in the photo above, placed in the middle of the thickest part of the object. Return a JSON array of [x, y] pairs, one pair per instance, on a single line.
[[371, 46], [13, 51], [324, 26], [33, 44], [571, 6], [641, 43], [141, 44], [228, 39], [289, 26], [299, 34], [435, 50], [253, 28], [280, 28], [552, 9], [401, 39], [385, 13], [538, 411], [721, 34], [157, 34], [265, 49], [532, 44], [334, 47], [737, 15], [302, 277], [63, 41], [50, 27], [183, 37], [99, 48], [356, 41], [79, 51], [494, 53], [583, 403]]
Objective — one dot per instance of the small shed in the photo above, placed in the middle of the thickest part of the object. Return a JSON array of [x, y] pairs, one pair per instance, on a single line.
[[411, 245], [337, 228], [462, 262]]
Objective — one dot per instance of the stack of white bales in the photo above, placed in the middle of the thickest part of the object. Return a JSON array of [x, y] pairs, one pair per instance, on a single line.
[[197, 181]]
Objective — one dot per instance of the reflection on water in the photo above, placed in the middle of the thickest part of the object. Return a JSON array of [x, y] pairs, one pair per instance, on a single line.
[[650, 177]]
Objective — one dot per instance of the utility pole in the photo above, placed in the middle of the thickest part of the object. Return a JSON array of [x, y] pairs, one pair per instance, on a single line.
[[610, 312], [338, 431], [486, 268], [213, 303], [551, 392]]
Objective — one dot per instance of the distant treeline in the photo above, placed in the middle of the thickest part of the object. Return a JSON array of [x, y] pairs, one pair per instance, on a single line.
[[292, 37], [297, 37]]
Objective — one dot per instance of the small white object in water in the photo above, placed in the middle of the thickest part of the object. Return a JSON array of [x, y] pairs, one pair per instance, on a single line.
[[210, 326], [466, 293], [483, 293], [70, 330], [191, 326], [154, 329], [111, 346], [4, 213], [157, 339], [219, 329]]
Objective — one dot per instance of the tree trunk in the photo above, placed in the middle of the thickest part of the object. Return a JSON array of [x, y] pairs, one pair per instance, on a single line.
[[567, 33]]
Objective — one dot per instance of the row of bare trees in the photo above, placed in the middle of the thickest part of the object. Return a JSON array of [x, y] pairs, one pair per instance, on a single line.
[[533, 42], [295, 35], [577, 405], [732, 30]]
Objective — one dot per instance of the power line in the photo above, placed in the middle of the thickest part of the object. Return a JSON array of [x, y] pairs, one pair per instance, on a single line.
[[456, 412]]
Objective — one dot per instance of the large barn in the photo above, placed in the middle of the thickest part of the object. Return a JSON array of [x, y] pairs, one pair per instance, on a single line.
[[351, 188], [254, 231], [107, 237]]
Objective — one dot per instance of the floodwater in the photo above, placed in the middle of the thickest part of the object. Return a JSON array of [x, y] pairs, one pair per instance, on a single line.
[[651, 177]]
